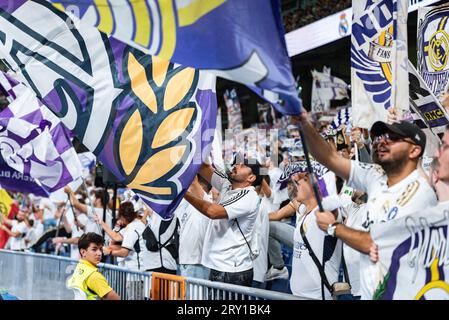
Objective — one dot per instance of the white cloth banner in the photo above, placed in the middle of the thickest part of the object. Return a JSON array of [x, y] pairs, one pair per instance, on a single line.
[[379, 59], [325, 88], [433, 47], [414, 256]]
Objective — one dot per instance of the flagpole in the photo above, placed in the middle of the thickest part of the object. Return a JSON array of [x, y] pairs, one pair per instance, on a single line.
[[59, 225], [310, 169]]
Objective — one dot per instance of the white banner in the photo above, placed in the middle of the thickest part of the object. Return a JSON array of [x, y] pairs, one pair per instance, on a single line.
[[414, 256], [326, 88], [379, 60], [433, 47]]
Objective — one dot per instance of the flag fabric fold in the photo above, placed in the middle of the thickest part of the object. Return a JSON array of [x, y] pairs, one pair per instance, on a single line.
[[143, 117], [239, 40], [325, 88], [33, 141], [379, 58]]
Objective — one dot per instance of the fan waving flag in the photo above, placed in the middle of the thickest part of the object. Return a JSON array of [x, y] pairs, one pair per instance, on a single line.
[[240, 40], [33, 141], [145, 119]]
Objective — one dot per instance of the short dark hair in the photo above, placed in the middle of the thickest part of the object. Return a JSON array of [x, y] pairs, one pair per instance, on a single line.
[[102, 195], [86, 239], [126, 210]]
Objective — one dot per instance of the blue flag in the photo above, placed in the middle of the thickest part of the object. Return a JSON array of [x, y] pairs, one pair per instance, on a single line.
[[148, 120], [241, 40]]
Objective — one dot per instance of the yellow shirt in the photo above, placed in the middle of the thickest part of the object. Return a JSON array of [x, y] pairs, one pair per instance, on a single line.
[[97, 282]]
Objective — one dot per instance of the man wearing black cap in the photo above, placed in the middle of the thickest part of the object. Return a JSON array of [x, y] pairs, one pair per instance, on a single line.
[[394, 186], [227, 244]]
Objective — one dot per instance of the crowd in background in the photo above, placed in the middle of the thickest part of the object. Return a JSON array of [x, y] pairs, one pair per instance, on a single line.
[[294, 19]]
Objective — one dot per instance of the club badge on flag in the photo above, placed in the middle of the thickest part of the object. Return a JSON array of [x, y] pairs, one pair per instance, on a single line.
[[240, 40], [143, 117], [378, 60], [413, 256], [433, 47]]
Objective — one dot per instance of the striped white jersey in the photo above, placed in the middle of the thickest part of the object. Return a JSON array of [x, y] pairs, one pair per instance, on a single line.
[[225, 248]]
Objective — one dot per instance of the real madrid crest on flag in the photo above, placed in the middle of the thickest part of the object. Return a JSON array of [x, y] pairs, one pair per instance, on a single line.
[[433, 47], [378, 60]]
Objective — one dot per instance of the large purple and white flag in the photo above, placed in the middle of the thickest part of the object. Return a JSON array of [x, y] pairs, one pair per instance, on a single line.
[[33, 141], [147, 120]]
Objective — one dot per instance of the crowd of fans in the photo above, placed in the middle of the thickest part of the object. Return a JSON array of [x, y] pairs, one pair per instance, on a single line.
[[233, 221], [312, 12]]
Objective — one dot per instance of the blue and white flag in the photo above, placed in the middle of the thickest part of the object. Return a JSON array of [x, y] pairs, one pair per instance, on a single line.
[[433, 47], [426, 110], [343, 117], [240, 40], [378, 60], [33, 140], [414, 256]]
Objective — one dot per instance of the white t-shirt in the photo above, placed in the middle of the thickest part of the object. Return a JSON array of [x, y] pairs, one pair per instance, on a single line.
[[138, 257], [92, 226], [77, 232], [18, 243], [261, 262], [225, 248], [192, 232], [278, 195], [409, 195], [48, 207], [305, 281], [34, 233]]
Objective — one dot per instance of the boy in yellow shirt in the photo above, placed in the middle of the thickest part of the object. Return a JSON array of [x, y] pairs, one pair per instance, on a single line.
[[86, 281]]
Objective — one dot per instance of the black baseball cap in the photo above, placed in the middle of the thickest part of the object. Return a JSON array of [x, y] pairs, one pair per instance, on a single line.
[[253, 164], [404, 129]]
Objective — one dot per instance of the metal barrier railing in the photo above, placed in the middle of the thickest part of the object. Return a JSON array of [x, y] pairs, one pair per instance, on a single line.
[[35, 276]]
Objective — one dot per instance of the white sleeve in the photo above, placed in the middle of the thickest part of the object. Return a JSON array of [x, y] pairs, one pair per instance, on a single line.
[[219, 180], [82, 218], [130, 237], [364, 175], [22, 228], [331, 185], [242, 204]]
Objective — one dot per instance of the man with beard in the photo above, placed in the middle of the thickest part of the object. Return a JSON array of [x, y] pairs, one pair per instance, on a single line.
[[394, 186], [227, 243]]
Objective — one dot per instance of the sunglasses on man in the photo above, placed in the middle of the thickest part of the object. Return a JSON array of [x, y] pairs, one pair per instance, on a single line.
[[391, 137]]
